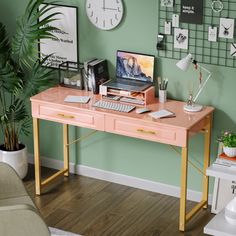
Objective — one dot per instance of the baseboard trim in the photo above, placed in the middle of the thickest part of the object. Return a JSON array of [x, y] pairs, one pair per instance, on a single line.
[[121, 179]]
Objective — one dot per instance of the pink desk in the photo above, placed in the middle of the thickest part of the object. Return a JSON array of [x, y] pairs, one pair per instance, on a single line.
[[50, 105]]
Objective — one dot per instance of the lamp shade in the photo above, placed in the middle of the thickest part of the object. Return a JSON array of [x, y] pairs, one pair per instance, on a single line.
[[184, 63]]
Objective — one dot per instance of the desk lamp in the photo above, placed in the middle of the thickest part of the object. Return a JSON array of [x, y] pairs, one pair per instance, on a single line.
[[184, 64]]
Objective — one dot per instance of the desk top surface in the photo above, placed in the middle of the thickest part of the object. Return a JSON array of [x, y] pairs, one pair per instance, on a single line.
[[183, 119]]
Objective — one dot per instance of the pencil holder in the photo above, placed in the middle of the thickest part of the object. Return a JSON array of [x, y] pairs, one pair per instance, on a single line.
[[162, 96]]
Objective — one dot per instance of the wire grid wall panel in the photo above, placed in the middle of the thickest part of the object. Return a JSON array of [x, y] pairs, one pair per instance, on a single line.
[[204, 51]]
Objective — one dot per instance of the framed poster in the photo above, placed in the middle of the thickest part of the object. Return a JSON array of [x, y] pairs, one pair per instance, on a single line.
[[65, 46], [191, 11]]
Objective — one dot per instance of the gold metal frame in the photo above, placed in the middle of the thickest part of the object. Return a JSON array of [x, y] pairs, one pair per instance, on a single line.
[[39, 184], [183, 217]]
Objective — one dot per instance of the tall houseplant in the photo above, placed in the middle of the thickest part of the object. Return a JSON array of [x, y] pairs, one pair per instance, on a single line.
[[22, 74]]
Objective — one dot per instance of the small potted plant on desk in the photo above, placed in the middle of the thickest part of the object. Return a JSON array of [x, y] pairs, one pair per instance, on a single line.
[[21, 76], [228, 139]]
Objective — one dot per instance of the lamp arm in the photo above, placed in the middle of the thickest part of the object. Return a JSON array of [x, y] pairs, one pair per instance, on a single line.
[[204, 84]]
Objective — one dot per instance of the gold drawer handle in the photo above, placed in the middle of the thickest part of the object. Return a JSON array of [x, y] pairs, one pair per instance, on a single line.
[[65, 116], [146, 131]]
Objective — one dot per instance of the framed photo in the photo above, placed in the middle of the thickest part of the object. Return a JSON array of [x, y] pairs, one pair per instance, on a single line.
[[167, 3], [180, 38], [65, 46], [226, 28]]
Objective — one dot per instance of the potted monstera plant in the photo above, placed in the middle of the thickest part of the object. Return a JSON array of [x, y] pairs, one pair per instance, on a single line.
[[22, 75]]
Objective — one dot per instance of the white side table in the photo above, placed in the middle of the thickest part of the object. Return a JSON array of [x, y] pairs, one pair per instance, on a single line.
[[218, 226], [225, 178]]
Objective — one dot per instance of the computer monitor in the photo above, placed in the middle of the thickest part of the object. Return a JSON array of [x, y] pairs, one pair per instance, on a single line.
[[136, 66]]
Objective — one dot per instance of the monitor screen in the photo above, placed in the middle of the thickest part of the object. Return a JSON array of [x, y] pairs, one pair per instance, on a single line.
[[135, 66]]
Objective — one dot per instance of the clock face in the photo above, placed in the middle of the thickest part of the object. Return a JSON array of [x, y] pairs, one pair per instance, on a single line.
[[104, 14]]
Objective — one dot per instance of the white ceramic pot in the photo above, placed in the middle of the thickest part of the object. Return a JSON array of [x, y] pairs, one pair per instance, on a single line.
[[230, 212], [230, 151], [17, 159]]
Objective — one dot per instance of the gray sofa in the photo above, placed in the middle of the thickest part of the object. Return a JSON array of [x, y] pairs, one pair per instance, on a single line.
[[18, 214]]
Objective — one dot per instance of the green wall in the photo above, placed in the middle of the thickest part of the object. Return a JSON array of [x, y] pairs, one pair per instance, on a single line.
[[152, 161]]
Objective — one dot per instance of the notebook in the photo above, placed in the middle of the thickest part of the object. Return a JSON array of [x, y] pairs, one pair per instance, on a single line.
[[134, 71]]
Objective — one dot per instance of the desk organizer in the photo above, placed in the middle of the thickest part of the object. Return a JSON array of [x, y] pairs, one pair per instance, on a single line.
[[146, 97]]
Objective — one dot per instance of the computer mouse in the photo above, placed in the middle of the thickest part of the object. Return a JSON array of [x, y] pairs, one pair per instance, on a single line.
[[142, 110]]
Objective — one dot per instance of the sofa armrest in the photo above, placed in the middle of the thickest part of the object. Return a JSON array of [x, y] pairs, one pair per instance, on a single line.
[[10, 182], [22, 220]]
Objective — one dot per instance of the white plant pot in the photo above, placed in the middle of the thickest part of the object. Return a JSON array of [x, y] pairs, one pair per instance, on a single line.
[[230, 151], [17, 159]]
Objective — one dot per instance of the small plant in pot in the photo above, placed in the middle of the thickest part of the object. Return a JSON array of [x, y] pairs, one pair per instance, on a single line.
[[228, 139], [21, 76]]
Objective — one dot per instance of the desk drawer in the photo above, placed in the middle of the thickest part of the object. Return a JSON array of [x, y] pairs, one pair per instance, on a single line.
[[80, 118], [142, 130]]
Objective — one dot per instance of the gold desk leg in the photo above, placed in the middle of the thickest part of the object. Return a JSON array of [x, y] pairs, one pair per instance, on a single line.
[[183, 193], [37, 157], [206, 162], [66, 149]]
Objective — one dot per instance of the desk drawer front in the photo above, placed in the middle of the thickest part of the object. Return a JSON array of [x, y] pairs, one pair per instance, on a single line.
[[78, 118], [141, 130]]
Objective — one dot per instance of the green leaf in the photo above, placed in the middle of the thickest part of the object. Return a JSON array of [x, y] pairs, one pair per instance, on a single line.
[[30, 29]]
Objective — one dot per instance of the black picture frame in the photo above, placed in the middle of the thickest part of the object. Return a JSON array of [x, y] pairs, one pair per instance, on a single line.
[[63, 49], [191, 11]]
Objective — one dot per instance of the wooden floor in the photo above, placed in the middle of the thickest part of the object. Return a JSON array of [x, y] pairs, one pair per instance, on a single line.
[[93, 207]]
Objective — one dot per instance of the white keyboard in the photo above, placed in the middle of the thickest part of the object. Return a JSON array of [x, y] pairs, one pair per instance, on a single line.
[[113, 106]]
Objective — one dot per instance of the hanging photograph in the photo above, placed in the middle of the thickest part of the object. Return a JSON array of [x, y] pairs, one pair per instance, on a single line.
[[226, 28], [181, 38], [65, 46], [167, 3], [191, 11], [212, 34], [233, 50]]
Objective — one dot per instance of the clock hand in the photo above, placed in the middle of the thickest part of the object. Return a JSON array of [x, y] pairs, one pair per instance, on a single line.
[[108, 8]]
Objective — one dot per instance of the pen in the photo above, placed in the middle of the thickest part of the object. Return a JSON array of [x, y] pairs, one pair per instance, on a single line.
[[166, 83]]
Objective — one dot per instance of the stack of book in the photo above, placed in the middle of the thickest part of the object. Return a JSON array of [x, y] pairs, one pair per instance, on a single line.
[[225, 161], [96, 73]]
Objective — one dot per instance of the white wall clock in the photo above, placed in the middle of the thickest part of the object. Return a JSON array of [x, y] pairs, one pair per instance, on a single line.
[[105, 14]]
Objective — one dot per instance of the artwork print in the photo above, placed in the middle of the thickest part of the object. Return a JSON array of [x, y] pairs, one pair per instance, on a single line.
[[226, 28], [181, 38], [65, 46], [167, 3], [212, 34], [233, 50], [191, 11]]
